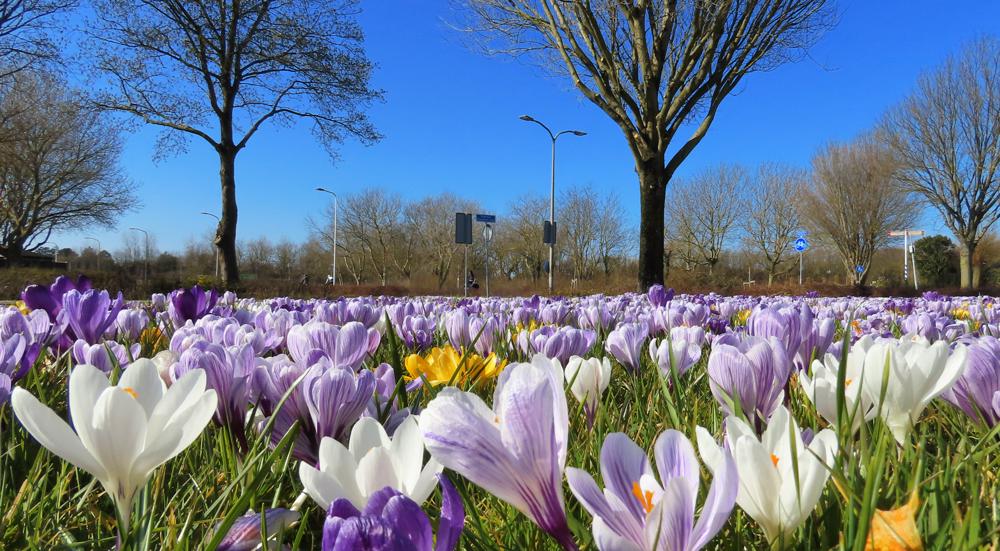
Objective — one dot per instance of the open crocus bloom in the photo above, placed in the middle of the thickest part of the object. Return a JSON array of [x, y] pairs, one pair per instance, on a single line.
[[821, 386], [517, 450], [636, 512], [588, 379], [123, 431], [918, 372], [371, 462], [780, 478]]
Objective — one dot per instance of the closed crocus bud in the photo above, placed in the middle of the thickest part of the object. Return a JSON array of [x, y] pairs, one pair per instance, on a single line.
[[588, 379], [163, 360]]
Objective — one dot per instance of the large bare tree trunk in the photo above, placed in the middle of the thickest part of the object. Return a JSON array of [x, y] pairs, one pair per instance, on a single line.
[[652, 187], [966, 253], [225, 235]]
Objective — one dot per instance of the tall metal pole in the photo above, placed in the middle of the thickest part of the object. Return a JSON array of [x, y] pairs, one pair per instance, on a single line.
[[800, 268], [145, 262], [216, 248], [335, 235], [465, 274], [913, 260], [94, 239], [906, 247], [552, 191]]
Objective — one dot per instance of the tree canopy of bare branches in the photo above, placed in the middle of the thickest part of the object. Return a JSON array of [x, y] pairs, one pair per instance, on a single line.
[[946, 135], [26, 32], [772, 217], [58, 164], [656, 68], [220, 70], [703, 212], [854, 201]]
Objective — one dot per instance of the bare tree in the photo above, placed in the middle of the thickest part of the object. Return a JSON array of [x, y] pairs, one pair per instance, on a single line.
[[58, 164], [432, 222], [220, 70], [525, 235], [613, 235], [946, 135], [854, 201], [26, 32], [654, 67], [370, 221], [704, 211], [579, 219], [772, 218]]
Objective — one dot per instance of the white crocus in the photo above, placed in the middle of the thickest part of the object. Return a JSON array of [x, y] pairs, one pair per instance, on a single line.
[[371, 462], [821, 386], [770, 492], [588, 379], [123, 431], [917, 373]]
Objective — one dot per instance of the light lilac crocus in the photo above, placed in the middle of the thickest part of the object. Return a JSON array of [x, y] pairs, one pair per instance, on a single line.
[[557, 343], [625, 344], [751, 373], [516, 450], [638, 512], [977, 391], [347, 346], [245, 534], [89, 314], [100, 355], [130, 323], [683, 349]]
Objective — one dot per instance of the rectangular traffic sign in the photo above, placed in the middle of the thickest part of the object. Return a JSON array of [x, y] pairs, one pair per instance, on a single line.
[[488, 218]]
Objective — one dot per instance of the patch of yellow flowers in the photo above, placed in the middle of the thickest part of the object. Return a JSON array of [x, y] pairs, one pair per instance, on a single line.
[[445, 364]]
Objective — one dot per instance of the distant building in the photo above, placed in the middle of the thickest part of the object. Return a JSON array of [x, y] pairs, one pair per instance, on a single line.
[[36, 260]]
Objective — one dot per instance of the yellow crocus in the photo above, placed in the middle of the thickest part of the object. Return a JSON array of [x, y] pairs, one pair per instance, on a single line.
[[439, 366]]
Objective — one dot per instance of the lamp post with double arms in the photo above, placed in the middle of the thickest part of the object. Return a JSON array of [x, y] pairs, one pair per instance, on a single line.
[[552, 190], [324, 190]]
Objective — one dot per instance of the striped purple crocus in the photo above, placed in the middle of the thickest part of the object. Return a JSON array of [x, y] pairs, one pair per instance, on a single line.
[[977, 391], [626, 342], [747, 376], [637, 511], [516, 450]]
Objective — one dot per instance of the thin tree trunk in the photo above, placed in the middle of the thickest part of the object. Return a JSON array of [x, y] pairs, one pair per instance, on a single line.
[[652, 185], [225, 235]]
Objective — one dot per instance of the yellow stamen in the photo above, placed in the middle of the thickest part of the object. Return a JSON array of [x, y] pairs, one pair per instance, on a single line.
[[774, 460], [131, 391], [848, 382], [645, 498]]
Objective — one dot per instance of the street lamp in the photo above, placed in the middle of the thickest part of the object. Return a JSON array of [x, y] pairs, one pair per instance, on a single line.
[[552, 192], [94, 239], [324, 190], [145, 267], [215, 247]]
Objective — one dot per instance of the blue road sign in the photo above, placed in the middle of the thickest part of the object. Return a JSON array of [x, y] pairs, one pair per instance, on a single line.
[[488, 218], [859, 268], [801, 244]]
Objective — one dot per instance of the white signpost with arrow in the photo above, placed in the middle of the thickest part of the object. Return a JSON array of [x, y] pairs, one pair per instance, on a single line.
[[801, 245]]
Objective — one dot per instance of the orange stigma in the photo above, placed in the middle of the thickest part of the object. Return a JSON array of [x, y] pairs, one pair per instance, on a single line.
[[774, 459], [645, 498], [131, 391], [848, 382]]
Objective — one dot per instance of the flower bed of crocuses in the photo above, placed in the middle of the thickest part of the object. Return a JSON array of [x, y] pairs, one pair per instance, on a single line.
[[643, 421]]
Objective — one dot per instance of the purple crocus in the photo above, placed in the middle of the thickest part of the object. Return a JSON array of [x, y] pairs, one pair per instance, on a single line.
[[625, 344], [130, 323], [637, 511], [17, 356], [557, 343], [416, 331], [245, 535], [683, 349], [100, 355], [50, 299], [751, 373], [977, 391], [89, 313], [190, 304], [393, 522], [516, 450], [5, 388], [658, 296], [347, 346]]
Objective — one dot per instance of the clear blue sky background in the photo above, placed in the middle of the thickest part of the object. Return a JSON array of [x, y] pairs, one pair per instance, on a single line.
[[450, 122]]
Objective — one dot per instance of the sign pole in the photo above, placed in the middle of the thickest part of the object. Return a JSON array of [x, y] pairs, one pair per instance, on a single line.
[[800, 268], [465, 274]]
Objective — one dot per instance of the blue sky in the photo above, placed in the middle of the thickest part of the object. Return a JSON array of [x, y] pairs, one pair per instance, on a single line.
[[450, 122]]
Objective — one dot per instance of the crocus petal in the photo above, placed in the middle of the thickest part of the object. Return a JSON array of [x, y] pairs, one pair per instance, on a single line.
[[623, 463], [53, 433], [452, 517]]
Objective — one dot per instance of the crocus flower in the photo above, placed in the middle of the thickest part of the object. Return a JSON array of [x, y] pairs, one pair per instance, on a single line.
[[682, 350], [347, 346], [780, 478], [90, 313], [751, 372], [123, 432], [517, 450], [977, 391], [130, 323], [557, 343], [625, 344], [416, 331], [658, 296], [635, 511], [245, 535], [446, 365], [5, 386], [370, 462], [190, 304], [391, 521], [918, 373], [16, 357], [588, 379], [50, 299], [821, 386], [100, 355]]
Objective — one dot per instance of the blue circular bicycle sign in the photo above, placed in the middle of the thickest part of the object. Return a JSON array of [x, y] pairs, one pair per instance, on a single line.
[[801, 244]]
